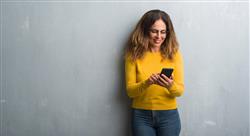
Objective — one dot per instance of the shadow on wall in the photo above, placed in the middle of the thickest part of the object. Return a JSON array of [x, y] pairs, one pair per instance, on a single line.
[[122, 97]]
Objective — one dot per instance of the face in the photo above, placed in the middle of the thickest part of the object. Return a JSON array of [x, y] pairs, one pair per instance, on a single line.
[[157, 34]]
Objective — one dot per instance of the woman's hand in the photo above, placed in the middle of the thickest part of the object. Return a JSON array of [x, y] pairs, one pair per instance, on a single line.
[[153, 79], [165, 81]]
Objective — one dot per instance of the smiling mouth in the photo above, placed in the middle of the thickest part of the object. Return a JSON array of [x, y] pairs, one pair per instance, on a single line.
[[157, 41]]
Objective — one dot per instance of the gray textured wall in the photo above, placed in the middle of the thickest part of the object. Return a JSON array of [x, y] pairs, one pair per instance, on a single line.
[[62, 69]]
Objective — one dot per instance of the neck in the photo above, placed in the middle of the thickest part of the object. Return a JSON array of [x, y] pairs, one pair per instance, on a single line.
[[154, 49]]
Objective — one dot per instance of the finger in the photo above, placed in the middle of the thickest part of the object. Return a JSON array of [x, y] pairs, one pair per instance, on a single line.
[[163, 81], [160, 83], [172, 77], [164, 84], [155, 75], [153, 78], [166, 78], [151, 81]]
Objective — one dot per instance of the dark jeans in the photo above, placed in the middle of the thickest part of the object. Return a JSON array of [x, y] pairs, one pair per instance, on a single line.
[[155, 122]]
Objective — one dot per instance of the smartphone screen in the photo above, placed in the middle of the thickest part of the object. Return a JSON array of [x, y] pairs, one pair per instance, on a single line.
[[167, 72]]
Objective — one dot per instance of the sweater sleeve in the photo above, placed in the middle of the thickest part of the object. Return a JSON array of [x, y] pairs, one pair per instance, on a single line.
[[177, 87], [133, 87]]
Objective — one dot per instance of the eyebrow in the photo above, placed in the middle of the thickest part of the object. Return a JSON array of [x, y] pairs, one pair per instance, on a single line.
[[158, 30]]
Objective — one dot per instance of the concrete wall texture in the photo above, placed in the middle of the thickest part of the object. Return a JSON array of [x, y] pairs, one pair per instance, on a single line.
[[62, 68]]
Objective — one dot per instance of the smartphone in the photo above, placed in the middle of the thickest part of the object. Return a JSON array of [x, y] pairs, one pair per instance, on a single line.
[[167, 72]]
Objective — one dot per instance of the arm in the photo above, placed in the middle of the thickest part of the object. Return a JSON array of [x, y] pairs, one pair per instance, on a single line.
[[177, 88], [133, 88]]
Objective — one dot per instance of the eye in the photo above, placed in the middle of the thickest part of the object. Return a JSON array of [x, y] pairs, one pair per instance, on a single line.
[[153, 31], [163, 32]]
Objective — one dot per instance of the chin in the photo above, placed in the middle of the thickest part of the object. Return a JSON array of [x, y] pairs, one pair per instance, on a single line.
[[157, 45]]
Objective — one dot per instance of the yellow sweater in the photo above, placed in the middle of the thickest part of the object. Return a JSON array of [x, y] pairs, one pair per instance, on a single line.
[[153, 97]]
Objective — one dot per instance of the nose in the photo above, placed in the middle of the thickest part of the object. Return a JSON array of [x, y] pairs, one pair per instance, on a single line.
[[158, 35]]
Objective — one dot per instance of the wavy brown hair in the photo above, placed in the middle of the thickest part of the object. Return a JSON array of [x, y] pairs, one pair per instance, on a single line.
[[138, 42]]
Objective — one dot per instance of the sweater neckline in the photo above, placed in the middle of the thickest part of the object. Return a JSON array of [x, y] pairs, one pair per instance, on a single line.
[[158, 52]]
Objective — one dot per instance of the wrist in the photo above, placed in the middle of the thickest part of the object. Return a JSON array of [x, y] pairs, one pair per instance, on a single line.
[[148, 82], [170, 86]]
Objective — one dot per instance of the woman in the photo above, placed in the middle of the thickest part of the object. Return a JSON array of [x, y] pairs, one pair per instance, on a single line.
[[151, 47]]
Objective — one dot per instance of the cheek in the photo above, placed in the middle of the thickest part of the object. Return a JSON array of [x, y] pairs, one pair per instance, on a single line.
[[151, 36], [163, 36]]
